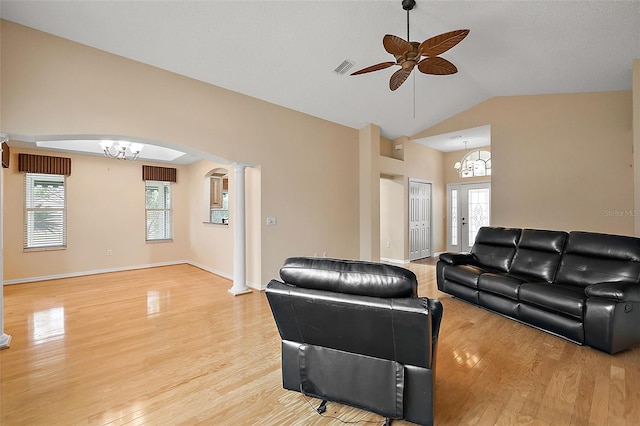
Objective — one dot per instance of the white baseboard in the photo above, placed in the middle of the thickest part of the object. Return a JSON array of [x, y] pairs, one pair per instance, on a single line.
[[208, 269], [399, 261], [223, 274], [93, 272], [405, 261], [127, 268]]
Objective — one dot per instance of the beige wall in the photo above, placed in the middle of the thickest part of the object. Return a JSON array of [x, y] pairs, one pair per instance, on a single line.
[[427, 164], [559, 161], [105, 211], [392, 221], [308, 166], [555, 157], [636, 143], [414, 161], [211, 245], [369, 192]]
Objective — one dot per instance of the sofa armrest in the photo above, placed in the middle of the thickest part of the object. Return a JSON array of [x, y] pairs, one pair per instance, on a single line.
[[619, 292], [458, 258]]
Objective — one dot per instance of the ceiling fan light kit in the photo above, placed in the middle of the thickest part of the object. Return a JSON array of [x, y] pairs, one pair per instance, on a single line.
[[425, 55]]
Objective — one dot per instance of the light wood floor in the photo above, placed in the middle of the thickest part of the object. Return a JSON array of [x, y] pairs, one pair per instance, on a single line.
[[170, 346]]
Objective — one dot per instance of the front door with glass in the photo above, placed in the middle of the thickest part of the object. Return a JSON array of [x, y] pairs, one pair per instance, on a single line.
[[468, 209]]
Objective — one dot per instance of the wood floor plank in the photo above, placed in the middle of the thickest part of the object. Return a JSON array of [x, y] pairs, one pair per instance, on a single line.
[[170, 346]]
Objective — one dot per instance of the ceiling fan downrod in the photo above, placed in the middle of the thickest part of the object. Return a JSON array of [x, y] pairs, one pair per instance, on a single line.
[[408, 6]]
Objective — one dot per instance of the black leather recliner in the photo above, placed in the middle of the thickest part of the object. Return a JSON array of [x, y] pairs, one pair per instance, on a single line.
[[357, 334]]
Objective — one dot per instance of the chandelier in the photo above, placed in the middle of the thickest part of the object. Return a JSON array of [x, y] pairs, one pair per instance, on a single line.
[[464, 165], [121, 150], [474, 164]]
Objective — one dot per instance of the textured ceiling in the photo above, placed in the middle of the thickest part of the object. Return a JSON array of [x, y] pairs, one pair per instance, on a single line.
[[285, 52]]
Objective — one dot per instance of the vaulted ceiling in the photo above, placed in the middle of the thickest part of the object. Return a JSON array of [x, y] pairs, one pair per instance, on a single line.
[[285, 52]]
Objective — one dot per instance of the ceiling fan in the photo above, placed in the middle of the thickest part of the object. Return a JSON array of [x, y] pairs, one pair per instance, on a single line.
[[424, 55]]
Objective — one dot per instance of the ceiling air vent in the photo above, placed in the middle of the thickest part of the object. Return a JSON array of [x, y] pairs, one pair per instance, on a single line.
[[345, 66]]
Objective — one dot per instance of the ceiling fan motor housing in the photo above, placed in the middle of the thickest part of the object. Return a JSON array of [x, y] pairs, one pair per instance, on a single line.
[[408, 4]]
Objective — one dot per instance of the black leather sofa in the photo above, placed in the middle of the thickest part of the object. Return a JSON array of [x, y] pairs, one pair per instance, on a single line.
[[357, 334], [581, 286]]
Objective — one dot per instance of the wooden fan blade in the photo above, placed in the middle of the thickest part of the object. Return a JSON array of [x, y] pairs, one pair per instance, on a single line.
[[441, 43], [398, 78], [375, 67], [437, 66], [395, 45]]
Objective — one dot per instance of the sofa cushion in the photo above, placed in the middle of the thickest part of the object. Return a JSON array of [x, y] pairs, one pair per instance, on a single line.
[[500, 284], [350, 277], [591, 258], [495, 247], [538, 254], [463, 274], [564, 299]]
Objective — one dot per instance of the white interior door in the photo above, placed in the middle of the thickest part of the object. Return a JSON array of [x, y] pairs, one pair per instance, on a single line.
[[419, 219], [468, 209]]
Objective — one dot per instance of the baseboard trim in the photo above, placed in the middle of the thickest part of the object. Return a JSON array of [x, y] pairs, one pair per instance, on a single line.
[[222, 274], [93, 272], [399, 261], [128, 268]]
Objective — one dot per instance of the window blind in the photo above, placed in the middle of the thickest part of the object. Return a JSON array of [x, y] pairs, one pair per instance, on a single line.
[[159, 215], [31, 163], [45, 212], [159, 174]]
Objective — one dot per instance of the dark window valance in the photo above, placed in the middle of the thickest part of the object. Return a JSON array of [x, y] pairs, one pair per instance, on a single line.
[[162, 174], [6, 155], [31, 163]]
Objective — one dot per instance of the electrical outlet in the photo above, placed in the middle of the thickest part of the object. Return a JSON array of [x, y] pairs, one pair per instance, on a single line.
[[388, 244], [272, 221], [109, 252]]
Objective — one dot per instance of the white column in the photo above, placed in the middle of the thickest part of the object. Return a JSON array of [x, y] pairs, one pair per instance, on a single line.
[[239, 233], [5, 339]]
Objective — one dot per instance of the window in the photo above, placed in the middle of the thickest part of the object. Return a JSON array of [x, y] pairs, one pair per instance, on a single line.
[[45, 223], [475, 164], [454, 217], [159, 217]]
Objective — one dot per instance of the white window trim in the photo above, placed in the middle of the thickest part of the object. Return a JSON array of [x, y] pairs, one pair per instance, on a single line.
[[26, 237], [158, 184]]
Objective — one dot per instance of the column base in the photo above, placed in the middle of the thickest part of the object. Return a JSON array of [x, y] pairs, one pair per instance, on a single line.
[[238, 291], [5, 340]]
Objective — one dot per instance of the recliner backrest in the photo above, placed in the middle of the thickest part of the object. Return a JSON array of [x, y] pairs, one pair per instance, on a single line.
[[495, 247], [591, 258], [538, 254], [392, 329], [355, 306], [350, 277]]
